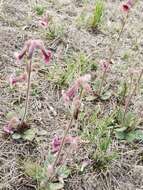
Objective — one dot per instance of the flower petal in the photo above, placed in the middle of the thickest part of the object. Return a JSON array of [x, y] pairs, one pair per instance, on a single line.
[[7, 129], [47, 55]]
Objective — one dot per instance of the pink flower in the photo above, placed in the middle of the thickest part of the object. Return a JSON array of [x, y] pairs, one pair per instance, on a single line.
[[43, 23], [105, 65], [84, 83], [12, 124], [8, 130], [14, 80], [47, 56], [70, 93], [56, 144], [29, 48], [73, 90], [127, 6], [73, 141], [84, 79]]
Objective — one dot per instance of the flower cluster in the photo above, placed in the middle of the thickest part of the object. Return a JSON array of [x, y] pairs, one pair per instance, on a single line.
[[83, 82], [56, 143], [29, 48], [11, 125]]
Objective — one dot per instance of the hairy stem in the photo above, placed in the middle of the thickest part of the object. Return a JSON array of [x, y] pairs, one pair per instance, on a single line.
[[64, 138], [102, 81], [27, 92], [118, 38], [112, 52], [132, 94], [63, 142]]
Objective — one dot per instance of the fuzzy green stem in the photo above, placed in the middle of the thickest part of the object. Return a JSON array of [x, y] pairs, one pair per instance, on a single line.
[[27, 92]]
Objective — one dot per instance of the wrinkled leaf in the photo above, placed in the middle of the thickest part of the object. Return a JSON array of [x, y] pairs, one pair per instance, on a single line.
[[29, 134], [33, 170], [130, 120], [134, 135], [130, 136], [106, 95], [121, 135], [16, 136]]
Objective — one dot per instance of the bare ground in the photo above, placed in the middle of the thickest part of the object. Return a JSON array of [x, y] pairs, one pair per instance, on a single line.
[[18, 23]]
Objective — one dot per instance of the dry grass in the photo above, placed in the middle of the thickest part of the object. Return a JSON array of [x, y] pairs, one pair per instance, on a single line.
[[18, 23]]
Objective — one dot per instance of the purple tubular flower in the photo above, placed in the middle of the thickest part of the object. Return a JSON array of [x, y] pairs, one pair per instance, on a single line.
[[43, 23], [73, 90], [84, 83], [47, 55], [70, 93], [16, 79], [29, 48], [56, 144]]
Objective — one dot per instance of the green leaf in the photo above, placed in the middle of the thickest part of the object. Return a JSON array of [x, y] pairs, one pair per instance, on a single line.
[[10, 115], [121, 129], [107, 95], [29, 134], [55, 186], [134, 135], [130, 120], [139, 135], [63, 171], [121, 135], [33, 170], [39, 10], [16, 136]]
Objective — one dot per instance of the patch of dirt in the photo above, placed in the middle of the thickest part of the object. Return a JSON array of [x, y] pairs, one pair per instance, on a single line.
[[18, 23]]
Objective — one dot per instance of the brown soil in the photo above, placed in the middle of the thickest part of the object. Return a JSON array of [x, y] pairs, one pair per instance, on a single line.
[[18, 22]]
